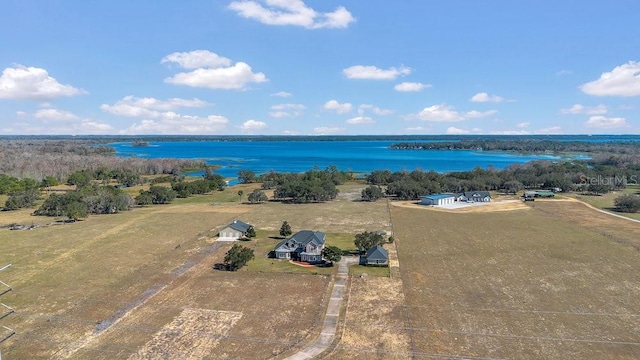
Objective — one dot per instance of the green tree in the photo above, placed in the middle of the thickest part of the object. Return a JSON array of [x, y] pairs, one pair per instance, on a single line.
[[21, 199], [237, 257], [368, 239], [144, 198], [332, 253], [628, 203], [257, 196], [251, 232], [49, 181], [372, 193], [76, 210], [246, 176], [285, 229], [162, 195], [240, 193]]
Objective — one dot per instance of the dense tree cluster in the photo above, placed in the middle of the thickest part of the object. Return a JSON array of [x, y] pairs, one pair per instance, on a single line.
[[312, 186], [372, 193], [22, 199], [92, 199], [156, 195], [247, 177], [185, 188], [237, 257], [332, 253], [629, 203], [257, 196], [368, 239], [597, 175], [58, 158]]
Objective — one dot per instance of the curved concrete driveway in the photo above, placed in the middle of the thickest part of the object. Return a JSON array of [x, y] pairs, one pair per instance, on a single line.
[[330, 324]]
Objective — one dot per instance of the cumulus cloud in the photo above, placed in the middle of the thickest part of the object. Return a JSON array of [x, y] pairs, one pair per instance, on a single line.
[[55, 115], [523, 125], [360, 120], [327, 130], [374, 73], [376, 110], [549, 130], [623, 80], [578, 109], [484, 97], [158, 116], [411, 86], [446, 113], [291, 12], [177, 124], [252, 125], [32, 83], [603, 122], [196, 59], [64, 123], [338, 107], [457, 131], [419, 128], [283, 94], [286, 110], [211, 71]]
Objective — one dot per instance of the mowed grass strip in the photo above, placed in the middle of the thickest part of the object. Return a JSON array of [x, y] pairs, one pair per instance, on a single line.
[[525, 284]]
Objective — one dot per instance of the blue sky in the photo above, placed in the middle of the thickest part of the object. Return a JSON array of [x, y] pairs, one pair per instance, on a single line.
[[310, 67]]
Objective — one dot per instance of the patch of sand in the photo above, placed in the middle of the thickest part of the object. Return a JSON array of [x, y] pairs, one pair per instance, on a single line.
[[191, 335]]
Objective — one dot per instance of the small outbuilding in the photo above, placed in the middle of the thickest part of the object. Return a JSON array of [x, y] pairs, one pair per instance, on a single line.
[[234, 231], [377, 256], [437, 199]]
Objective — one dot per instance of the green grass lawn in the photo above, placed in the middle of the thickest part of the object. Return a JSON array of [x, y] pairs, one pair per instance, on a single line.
[[262, 246], [357, 270], [606, 201]]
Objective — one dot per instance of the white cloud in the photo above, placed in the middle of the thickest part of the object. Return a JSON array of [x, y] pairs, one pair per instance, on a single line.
[[376, 110], [623, 80], [132, 106], [21, 82], [197, 59], [359, 120], [291, 12], [578, 109], [338, 107], [290, 132], [286, 110], [233, 77], [484, 97], [418, 128], [564, 72], [549, 130], [446, 113], [509, 132], [179, 125], [411, 86], [328, 130], [251, 125], [283, 94], [523, 125], [66, 123], [211, 71], [456, 131], [603, 122], [374, 73], [55, 115]]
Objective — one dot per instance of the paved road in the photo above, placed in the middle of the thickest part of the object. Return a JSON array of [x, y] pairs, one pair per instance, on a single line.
[[330, 324]]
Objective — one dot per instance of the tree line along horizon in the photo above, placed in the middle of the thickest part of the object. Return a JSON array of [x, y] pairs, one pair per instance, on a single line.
[[99, 178]]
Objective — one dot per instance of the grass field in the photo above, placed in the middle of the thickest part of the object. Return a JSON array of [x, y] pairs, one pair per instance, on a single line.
[[606, 201], [543, 283], [554, 280]]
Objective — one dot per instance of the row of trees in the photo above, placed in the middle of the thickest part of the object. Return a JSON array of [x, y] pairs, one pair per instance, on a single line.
[[88, 200], [312, 186], [592, 176], [58, 158]]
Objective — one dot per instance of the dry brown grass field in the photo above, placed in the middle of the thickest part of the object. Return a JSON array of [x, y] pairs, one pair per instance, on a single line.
[[550, 280], [114, 286], [541, 283]]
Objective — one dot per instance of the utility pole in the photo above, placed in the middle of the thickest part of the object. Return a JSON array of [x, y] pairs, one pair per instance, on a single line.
[[6, 310]]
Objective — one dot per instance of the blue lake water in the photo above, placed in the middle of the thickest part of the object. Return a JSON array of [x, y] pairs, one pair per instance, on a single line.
[[299, 156]]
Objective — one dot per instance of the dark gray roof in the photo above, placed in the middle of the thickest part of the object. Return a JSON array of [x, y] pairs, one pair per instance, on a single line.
[[239, 225], [377, 253], [301, 239], [469, 194]]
